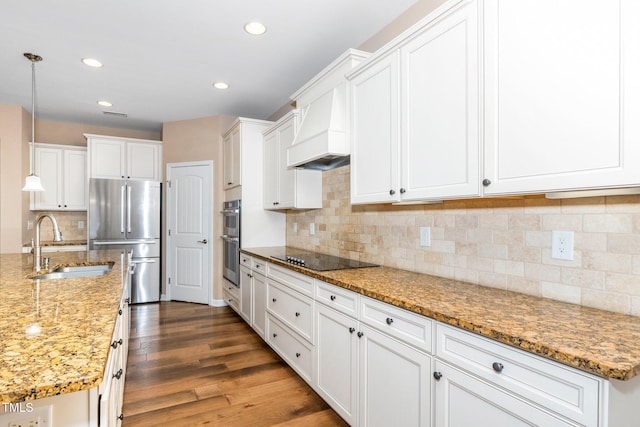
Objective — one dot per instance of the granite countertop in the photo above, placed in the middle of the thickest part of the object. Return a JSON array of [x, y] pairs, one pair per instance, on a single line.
[[63, 243], [603, 343], [55, 332]]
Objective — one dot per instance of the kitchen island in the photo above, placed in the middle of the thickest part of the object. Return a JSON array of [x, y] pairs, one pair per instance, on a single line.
[[56, 333], [503, 353]]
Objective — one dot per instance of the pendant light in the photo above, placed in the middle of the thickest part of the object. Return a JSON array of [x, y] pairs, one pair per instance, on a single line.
[[33, 183]]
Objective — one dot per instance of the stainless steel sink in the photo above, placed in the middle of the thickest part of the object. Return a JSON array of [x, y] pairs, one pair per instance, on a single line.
[[76, 271]]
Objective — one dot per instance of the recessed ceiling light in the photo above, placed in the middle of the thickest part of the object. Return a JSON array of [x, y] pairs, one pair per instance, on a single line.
[[92, 62], [221, 85], [255, 28], [105, 104]]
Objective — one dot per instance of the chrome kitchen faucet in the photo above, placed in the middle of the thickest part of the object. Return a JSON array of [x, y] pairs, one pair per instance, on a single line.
[[57, 237]]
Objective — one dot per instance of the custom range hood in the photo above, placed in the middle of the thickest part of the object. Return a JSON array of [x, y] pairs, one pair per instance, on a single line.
[[321, 141]]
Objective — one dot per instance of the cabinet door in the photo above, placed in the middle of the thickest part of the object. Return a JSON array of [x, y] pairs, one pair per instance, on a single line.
[[232, 164], [286, 177], [271, 171], [374, 133], [462, 400], [440, 108], [107, 158], [245, 294], [560, 97], [143, 161], [259, 304], [48, 167], [75, 180], [395, 386], [336, 361]]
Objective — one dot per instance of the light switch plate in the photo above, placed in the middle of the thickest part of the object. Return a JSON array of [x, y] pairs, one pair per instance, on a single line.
[[425, 236], [312, 229], [295, 227]]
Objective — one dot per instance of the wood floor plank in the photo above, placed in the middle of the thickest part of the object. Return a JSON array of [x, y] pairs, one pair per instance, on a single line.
[[195, 365]]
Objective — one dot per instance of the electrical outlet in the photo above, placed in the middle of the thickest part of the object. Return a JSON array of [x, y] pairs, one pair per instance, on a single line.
[[80, 225], [27, 422], [29, 224], [295, 227], [28, 415], [562, 245], [312, 229], [425, 236]]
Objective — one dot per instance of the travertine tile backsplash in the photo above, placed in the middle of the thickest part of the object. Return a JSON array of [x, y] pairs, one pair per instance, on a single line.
[[503, 243], [68, 223]]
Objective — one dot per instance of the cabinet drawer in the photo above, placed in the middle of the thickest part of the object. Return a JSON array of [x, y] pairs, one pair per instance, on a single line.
[[293, 309], [232, 289], [560, 389], [246, 260], [337, 298], [297, 281], [259, 266], [232, 300], [408, 327], [290, 346]]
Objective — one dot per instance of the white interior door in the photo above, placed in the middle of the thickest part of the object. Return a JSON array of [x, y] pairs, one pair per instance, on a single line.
[[189, 228]]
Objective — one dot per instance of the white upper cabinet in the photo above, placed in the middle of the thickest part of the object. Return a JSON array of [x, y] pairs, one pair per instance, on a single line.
[[287, 188], [479, 99], [232, 159], [440, 108], [62, 170], [118, 158], [415, 112], [562, 99], [143, 161], [374, 132]]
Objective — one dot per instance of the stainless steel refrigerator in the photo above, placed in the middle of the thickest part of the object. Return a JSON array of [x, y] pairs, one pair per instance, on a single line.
[[125, 214]]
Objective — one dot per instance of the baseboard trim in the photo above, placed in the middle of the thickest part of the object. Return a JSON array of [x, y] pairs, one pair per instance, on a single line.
[[218, 303]]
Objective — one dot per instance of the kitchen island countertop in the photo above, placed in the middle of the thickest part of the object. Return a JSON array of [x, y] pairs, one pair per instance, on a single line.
[[55, 332], [603, 343]]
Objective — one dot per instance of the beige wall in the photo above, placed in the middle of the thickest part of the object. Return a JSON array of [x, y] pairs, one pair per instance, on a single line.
[[65, 133], [401, 23], [503, 243], [12, 138], [194, 140]]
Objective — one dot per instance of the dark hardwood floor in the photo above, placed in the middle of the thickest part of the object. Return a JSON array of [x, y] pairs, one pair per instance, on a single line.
[[192, 364]]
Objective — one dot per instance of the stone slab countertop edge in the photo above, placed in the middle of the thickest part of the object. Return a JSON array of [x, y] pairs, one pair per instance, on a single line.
[[63, 243], [55, 333], [599, 342]]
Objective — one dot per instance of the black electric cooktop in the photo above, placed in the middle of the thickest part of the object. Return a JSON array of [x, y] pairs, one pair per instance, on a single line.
[[322, 262]]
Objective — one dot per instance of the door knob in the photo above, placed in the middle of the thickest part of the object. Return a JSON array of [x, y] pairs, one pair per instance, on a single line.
[[204, 242]]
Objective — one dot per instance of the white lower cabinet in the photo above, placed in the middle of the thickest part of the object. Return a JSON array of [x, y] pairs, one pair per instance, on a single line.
[[394, 382], [259, 315], [337, 361], [246, 298], [463, 400], [294, 349], [231, 295], [518, 383], [111, 390], [367, 376], [289, 317]]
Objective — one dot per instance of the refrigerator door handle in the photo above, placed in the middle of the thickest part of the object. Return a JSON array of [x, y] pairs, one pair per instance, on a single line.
[[125, 242], [122, 209], [128, 209], [144, 261]]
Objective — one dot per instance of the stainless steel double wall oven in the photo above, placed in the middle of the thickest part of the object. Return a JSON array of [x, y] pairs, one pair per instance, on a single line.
[[231, 241]]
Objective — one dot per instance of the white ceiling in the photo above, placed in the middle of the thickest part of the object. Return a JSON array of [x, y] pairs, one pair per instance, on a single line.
[[161, 57]]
